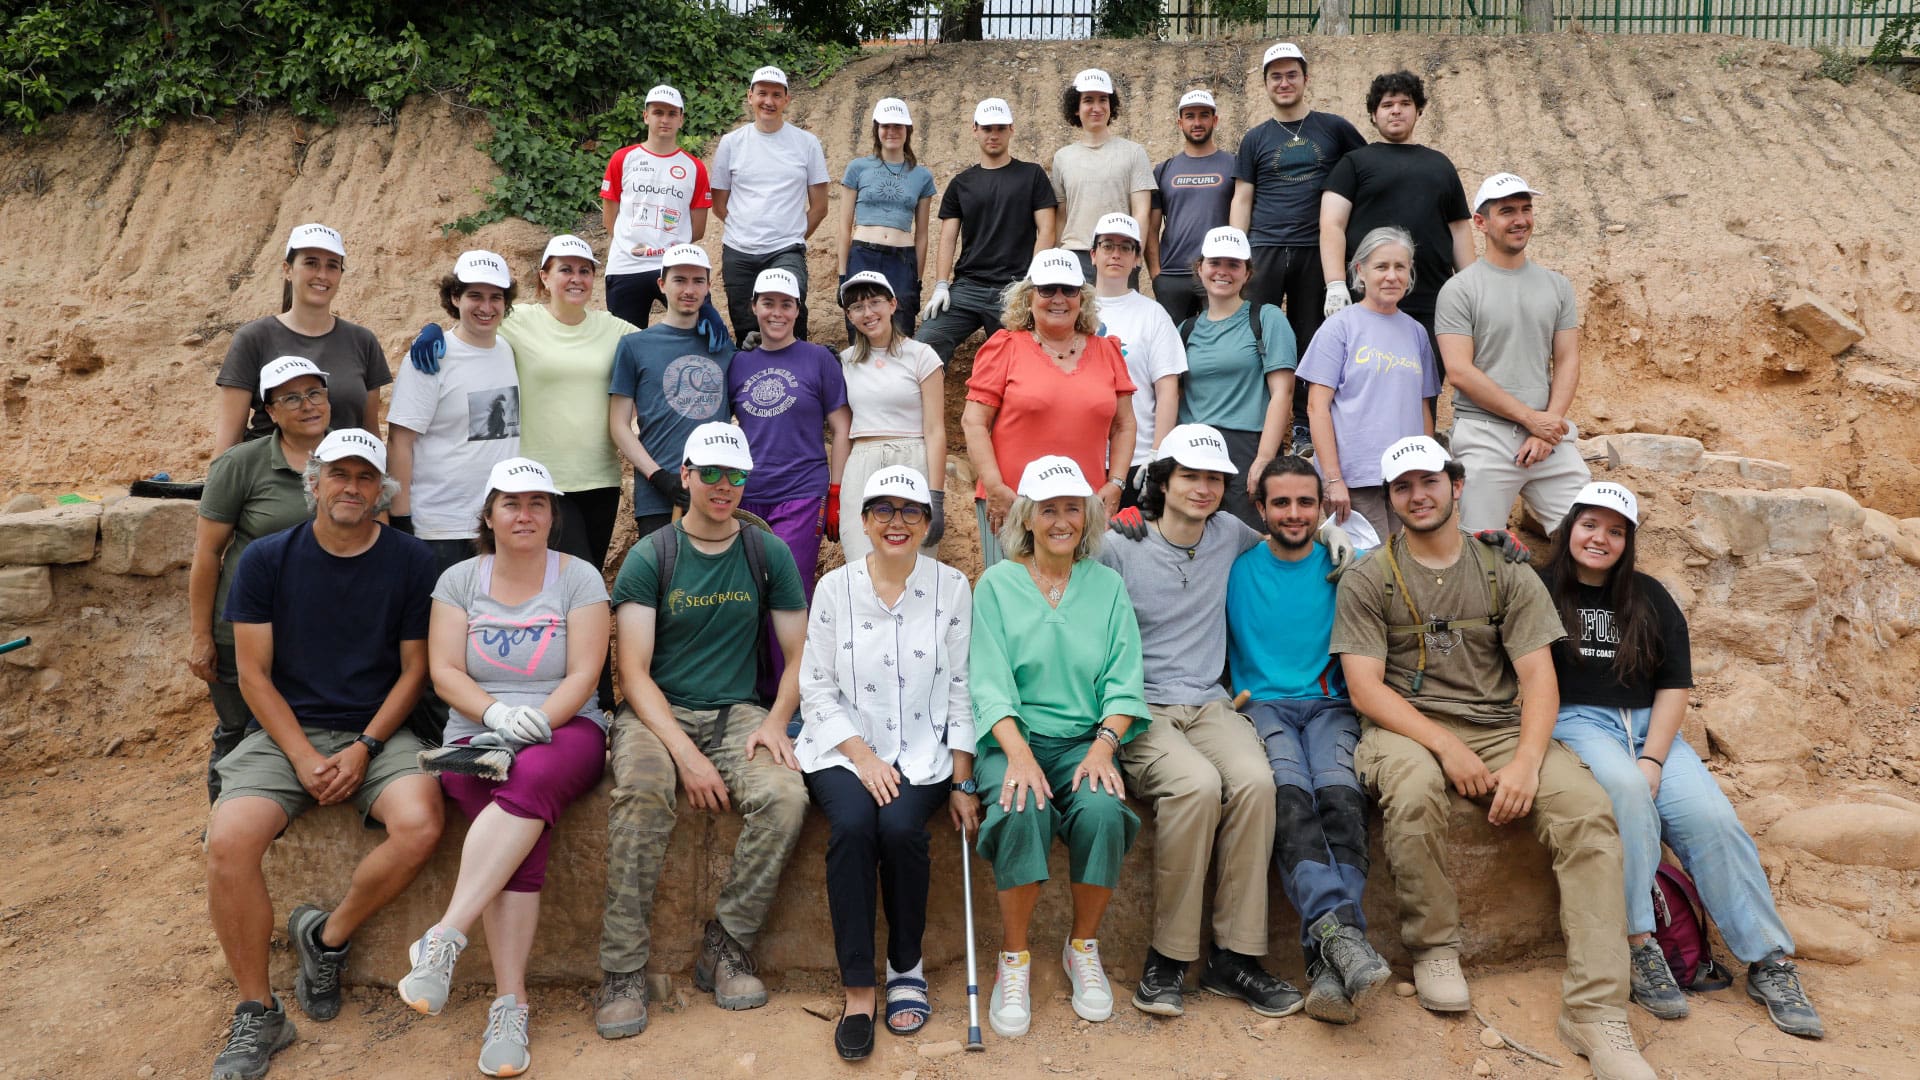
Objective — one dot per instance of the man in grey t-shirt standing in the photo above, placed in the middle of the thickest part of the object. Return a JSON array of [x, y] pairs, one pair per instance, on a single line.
[[1192, 194], [1509, 334]]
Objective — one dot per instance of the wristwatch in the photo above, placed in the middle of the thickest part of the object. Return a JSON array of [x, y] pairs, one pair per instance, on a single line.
[[372, 744], [969, 786]]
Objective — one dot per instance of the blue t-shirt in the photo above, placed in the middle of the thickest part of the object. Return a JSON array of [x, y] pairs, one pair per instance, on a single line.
[[1196, 195], [337, 622], [1287, 164], [781, 400], [886, 194], [676, 385], [1279, 621], [1226, 380]]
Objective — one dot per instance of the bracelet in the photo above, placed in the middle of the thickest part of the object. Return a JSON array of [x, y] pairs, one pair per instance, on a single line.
[[1335, 480], [1655, 760], [1107, 733]]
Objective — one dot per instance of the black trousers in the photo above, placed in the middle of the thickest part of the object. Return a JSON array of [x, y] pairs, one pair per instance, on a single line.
[[583, 528], [1290, 278], [868, 845]]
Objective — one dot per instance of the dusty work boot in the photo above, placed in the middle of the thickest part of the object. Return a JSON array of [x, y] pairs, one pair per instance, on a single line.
[[620, 1005], [1362, 971], [1327, 999], [1439, 985], [1608, 1047], [257, 1034], [1654, 987], [316, 982], [503, 1049], [1775, 983], [726, 970], [1161, 985], [1231, 974]]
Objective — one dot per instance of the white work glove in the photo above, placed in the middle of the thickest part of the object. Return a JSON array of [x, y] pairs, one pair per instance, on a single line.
[[941, 300], [521, 723], [1337, 298], [1339, 548]]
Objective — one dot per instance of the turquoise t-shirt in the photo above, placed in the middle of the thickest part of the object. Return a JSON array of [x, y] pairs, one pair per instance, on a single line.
[[886, 194], [1279, 621], [1226, 381]]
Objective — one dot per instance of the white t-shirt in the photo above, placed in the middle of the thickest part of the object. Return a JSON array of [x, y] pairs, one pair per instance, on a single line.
[[1151, 344], [468, 419], [884, 391], [656, 197], [767, 178]]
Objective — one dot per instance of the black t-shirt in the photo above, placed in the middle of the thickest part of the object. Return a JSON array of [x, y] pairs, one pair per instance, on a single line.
[[996, 208], [1414, 187], [1583, 661], [1287, 164]]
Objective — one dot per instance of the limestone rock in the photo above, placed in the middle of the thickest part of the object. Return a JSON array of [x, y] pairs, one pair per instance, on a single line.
[[934, 1051], [1760, 638], [1748, 472], [1853, 834], [1904, 928], [147, 537], [1885, 798], [1758, 814], [1756, 722], [1663, 453], [1842, 509], [25, 591], [59, 534], [1821, 323], [24, 502], [1826, 937], [1775, 586], [1744, 521]]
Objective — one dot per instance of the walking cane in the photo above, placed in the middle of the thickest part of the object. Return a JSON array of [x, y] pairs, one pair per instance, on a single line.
[[973, 980]]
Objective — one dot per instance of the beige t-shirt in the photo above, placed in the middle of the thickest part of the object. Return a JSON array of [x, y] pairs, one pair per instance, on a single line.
[[1093, 181], [1469, 671]]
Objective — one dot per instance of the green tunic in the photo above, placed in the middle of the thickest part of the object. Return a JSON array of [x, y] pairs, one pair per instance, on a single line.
[[252, 488]]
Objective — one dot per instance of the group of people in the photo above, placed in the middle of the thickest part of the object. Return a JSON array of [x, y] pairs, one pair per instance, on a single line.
[[1156, 480]]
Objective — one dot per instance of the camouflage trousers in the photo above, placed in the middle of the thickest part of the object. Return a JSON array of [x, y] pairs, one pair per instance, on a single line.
[[771, 798]]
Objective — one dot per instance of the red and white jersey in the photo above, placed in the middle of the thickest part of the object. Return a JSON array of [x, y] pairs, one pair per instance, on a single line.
[[657, 197]]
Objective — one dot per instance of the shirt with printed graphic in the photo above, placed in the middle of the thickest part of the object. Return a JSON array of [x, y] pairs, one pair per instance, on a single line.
[[676, 384], [781, 400], [1584, 661], [657, 196], [1196, 195], [467, 415], [1288, 165]]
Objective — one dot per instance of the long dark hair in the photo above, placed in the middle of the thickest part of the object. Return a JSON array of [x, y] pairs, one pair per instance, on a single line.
[[906, 146], [1639, 650]]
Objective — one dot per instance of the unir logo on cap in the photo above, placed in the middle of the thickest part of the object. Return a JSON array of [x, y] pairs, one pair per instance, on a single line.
[[534, 469], [1056, 470]]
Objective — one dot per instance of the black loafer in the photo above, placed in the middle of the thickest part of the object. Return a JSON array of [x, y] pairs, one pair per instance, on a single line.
[[853, 1036]]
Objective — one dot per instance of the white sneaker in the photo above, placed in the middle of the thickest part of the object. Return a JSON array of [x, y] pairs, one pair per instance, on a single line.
[[426, 986], [503, 1049], [1092, 994], [1010, 1007]]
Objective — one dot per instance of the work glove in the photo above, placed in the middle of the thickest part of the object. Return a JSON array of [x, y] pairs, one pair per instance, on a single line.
[[833, 512], [941, 300], [937, 522], [1339, 549], [521, 723], [1138, 481], [1337, 298], [667, 482], [750, 342], [1507, 544], [718, 337], [1129, 523], [428, 349]]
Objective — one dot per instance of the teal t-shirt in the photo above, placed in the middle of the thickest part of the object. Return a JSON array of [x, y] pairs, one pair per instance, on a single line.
[[252, 488], [704, 639], [1226, 380], [1279, 621]]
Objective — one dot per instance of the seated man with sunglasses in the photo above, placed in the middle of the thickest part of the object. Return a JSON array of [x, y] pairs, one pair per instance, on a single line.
[[688, 604]]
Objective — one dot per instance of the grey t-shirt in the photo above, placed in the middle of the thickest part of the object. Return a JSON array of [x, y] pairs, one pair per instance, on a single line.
[[518, 652], [1511, 315], [349, 354], [1196, 195], [1181, 604]]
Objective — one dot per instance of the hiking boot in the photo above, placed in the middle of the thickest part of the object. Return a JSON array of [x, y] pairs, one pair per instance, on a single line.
[[316, 983], [620, 1005], [1439, 985], [1092, 993], [426, 986], [1230, 974], [1302, 441], [1654, 987], [726, 969], [257, 1034], [1010, 1006], [1327, 999], [1775, 983], [1161, 982], [1345, 948], [1608, 1047], [503, 1049]]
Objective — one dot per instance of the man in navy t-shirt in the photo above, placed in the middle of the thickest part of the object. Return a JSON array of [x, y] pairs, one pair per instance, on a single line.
[[330, 627]]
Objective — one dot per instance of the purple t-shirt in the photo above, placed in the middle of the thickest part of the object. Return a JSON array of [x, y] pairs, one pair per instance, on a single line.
[[1380, 368], [781, 400]]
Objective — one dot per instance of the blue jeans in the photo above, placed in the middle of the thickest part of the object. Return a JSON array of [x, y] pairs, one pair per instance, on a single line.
[[896, 264], [1698, 823], [738, 272], [1320, 827]]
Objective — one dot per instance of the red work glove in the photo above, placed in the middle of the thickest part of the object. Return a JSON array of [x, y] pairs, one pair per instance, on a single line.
[[833, 512], [1507, 544]]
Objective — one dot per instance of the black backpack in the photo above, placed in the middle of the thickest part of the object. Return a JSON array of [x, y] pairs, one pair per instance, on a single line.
[[666, 550]]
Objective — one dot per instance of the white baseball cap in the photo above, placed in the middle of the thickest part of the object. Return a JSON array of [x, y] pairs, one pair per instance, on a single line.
[[686, 255], [775, 280], [480, 267], [865, 277], [1613, 497], [517, 474], [716, 443], [1285, 50], [1415, 453], [1193, 98], [1226, 242], [1051, 476], [284, 370], [666, 95], [1117, 225], [1197, 446], [899, 481], [891, 110], [353, 442], [568, 244], [1093, 80], [768, 74], [1056, 266], [1500, 186], [992, 111], [315, 235]]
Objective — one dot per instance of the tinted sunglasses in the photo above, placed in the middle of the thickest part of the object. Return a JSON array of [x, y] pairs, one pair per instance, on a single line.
[[711, 474]]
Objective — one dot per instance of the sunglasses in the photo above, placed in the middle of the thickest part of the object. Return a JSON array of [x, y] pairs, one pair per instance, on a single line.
[[911, 514], [711, 474], [1051, 291]]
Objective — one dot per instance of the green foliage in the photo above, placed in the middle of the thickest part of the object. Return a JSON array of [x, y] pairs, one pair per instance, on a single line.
[[1834, 64], [844, 22], [1129, 19], [561, 82], [1899, 37]]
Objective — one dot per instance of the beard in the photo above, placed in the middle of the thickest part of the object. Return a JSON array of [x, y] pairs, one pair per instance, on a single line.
[[1446, 515]]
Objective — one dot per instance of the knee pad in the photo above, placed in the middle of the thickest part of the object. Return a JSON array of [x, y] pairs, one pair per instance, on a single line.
[[1297, 836], [1343, 815]]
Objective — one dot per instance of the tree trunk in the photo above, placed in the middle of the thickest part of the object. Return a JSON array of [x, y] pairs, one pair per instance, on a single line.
[[962, 21], [1539, 16], [1335, 17]]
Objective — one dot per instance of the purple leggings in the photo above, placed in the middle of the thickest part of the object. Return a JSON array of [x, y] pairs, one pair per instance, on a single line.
[[545, 779], [800, 523]]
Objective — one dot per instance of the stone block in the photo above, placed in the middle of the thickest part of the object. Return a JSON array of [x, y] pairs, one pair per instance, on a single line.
[[25, 591], [1748, 634], [59, 534], [1756, 722], [23, 502], [1759, 814], [1746, 471], [1775, 586], [1662, 453], [147, 537], [1853, 834], [1843, 510], [1826, 937], [1747, 522], [1820, 322]]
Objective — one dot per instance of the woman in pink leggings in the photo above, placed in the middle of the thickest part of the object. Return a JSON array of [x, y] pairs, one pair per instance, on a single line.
[[516, 644]]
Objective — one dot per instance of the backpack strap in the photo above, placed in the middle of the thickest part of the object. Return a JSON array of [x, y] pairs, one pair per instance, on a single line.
[[753, 543], [666, 548], [1496, 610]]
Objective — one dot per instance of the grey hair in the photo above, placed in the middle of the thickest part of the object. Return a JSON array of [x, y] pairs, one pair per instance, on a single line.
[[1016, 534], [389, 487], [1374, 241]]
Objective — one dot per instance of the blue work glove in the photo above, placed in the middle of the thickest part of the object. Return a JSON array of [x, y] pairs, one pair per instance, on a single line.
[[937, 524], [1129, 523], [718, 337], [1507, 544], [428, 349]]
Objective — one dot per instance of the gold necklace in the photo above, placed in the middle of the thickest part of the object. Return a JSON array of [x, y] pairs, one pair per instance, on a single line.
[[1052, 592]]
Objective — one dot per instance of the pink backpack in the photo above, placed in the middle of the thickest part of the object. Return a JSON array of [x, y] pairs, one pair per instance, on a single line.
[[1680, 927]]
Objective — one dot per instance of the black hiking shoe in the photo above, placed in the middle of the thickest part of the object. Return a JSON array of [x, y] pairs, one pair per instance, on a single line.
[[316, 983], [1775, 983], [1161, 982], [257, 1034], [1231, 975], [1327, 999], [1654, 987]]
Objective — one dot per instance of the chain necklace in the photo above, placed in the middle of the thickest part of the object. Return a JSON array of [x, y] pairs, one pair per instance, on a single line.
[[1191, 552], [1073, 347], [1047, 587], [1296, 139]]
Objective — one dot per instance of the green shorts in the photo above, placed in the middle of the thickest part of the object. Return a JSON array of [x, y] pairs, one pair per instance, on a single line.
[[258, 767]]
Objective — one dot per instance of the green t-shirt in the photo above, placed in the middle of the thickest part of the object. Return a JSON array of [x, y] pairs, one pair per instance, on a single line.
[[252, 488], [564, 372], [1469, 671], [1226, 380], [704, 641]]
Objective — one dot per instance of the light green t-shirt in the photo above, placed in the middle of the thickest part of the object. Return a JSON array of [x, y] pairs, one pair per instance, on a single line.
[[564, 371], [252, 488], [1226, 380]]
